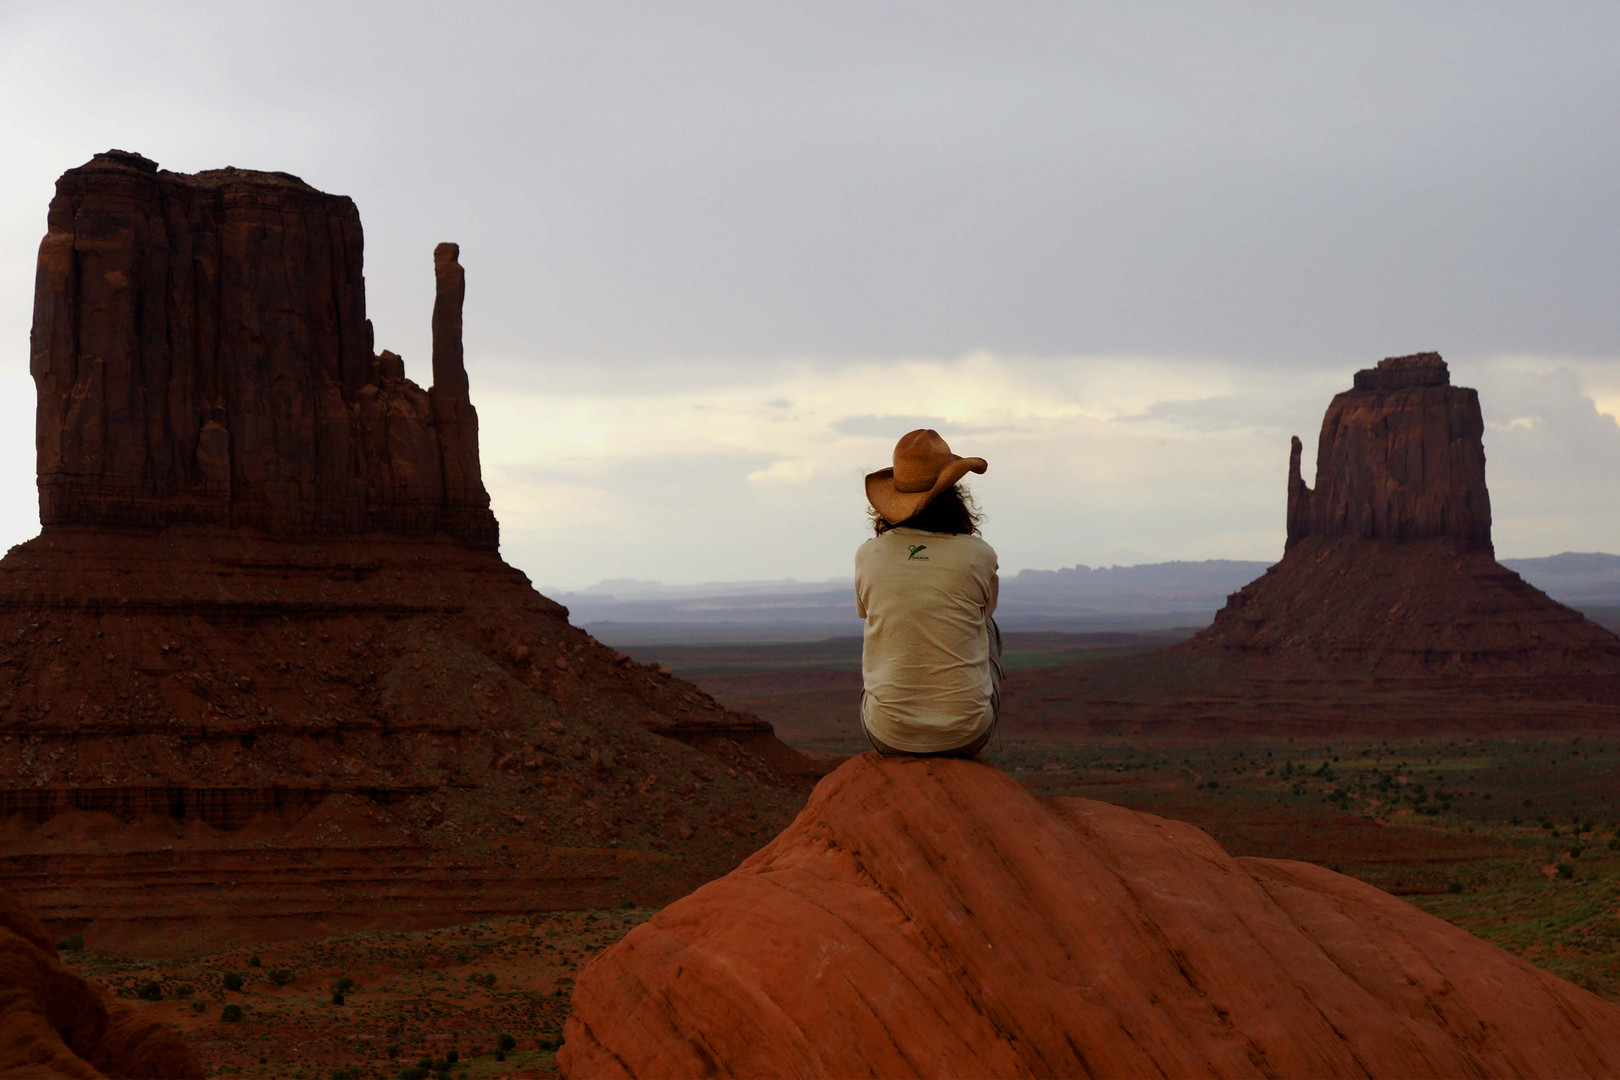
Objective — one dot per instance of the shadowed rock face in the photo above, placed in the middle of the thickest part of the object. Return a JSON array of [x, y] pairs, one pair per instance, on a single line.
[[264, 638], [55, 1024], [931, 918], [1389, 566], [1401, 457], [202, 355]]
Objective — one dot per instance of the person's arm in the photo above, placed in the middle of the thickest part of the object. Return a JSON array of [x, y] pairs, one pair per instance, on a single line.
[[992, 591], [860, 602]]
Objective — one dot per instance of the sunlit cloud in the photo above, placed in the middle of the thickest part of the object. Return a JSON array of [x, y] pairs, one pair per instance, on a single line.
[[1093, 460]]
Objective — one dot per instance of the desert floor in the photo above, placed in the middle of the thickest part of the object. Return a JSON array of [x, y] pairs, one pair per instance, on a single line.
[[1513, 838]]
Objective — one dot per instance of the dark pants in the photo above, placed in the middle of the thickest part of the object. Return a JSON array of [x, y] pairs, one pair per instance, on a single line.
[[971, 749]]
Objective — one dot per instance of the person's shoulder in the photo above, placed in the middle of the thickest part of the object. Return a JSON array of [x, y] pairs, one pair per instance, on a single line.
[[976, 544], [871, 544], [869, 549], [977, 549]]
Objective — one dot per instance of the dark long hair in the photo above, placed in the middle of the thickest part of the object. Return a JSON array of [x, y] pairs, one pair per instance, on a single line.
[[951, 511]]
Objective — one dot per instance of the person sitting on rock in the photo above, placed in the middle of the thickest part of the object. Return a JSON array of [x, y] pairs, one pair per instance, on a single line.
[[926, 585]]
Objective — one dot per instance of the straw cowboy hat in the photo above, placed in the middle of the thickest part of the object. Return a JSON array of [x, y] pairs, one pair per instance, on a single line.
[[923, 467]]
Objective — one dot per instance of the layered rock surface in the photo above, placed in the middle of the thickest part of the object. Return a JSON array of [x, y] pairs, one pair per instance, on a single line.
[[55, 1024], [1401, 457], [1389, 564], [930, 918], [202, 354], [262, 673]]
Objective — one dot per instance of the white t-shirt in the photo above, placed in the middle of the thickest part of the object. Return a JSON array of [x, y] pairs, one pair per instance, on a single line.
[[927, 599]]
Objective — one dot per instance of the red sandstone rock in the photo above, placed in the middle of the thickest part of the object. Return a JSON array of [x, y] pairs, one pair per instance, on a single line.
[[1389, 564], [264, 640], [202, 354], [317, 728], [54, 1024], [930, 918], [1400, 457]]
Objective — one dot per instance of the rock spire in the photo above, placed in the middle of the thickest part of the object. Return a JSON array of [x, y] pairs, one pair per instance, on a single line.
[[1389, 564], [202, 355], [1401, 457], [264, 637]]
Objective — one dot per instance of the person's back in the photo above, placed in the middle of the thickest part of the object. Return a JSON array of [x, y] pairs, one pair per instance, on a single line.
[[927, 588]]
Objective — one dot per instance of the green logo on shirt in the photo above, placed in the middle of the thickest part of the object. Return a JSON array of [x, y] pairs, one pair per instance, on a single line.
[[914, 549]]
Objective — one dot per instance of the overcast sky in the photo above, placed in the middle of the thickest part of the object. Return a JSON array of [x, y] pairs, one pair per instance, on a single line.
[[719, 256]]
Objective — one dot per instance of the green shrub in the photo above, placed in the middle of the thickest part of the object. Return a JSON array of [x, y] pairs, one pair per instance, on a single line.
[[233, 981], [184, 990], [71, 943], [414, 1072], [393, 1050], [505, 1042], [337, 997], [1566, 870], [1575, 851], [231, 1014], [150, 991], [253, 961], [279, 976]]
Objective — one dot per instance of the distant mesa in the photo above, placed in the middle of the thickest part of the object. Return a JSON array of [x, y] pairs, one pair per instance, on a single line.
[[1401, 457], [931, 918], [1389, 564], [264, 637]]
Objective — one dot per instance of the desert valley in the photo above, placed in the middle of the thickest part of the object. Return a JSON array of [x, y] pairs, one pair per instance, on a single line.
[[299, 778]]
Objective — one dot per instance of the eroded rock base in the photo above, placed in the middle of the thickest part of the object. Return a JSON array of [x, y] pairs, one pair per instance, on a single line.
[[930, 918], [211, 736]]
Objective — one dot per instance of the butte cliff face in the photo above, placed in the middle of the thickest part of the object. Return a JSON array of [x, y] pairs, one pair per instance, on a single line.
[[1389, 565], [931, 918], [262, 673], [1401, 457], [202, 355]]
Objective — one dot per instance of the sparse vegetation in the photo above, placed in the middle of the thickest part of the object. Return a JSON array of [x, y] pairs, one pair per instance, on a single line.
[[1459, 837], [408, 996]]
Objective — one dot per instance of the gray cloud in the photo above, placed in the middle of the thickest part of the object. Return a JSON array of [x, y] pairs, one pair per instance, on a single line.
[[1287, 182], [666, 199]]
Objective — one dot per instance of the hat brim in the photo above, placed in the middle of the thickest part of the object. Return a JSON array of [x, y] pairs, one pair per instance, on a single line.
[[899, 506]]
